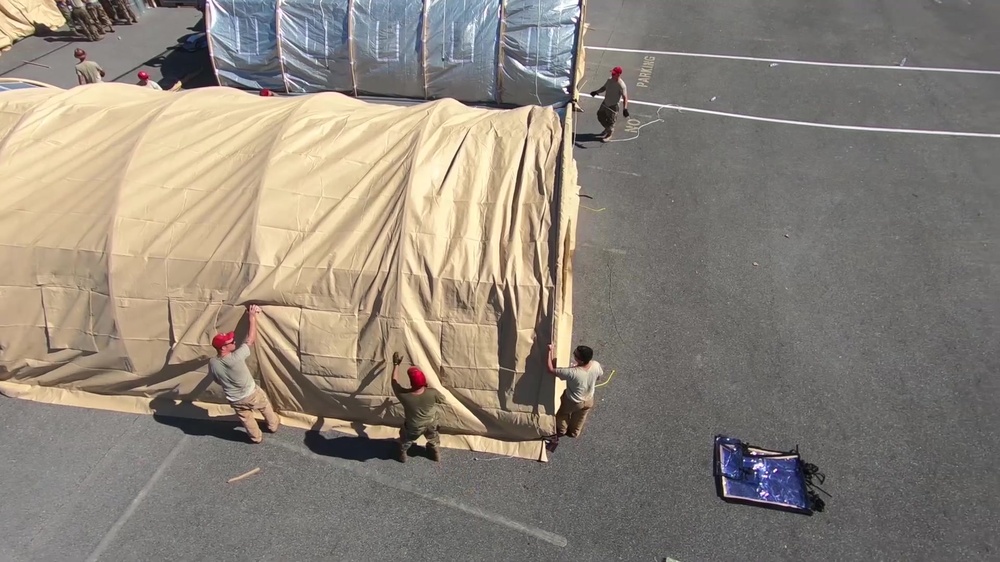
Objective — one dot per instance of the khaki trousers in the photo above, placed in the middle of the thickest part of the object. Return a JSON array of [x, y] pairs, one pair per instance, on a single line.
[[100, 17], [572, 416], [82, 22], [246, 408]]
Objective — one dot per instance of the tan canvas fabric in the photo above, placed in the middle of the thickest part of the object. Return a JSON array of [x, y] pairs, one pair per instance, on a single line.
[[135, 225], [18, 19]]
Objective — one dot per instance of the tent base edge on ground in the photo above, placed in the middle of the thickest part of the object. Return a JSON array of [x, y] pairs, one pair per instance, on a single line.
[[531, 450]]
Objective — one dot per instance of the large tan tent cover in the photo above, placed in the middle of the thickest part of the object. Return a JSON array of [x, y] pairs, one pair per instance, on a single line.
[[134, 224], [19, 18]]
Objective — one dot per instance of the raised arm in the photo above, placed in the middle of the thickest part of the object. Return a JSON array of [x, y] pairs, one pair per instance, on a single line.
[[396, 360], [551, 365], [253, 310]]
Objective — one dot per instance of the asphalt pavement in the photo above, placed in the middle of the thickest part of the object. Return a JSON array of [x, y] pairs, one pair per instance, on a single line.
[[831, 289]]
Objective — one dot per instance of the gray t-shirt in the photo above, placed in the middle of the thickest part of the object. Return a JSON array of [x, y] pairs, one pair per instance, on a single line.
[[233, 374], [613, 91], [580, 381]]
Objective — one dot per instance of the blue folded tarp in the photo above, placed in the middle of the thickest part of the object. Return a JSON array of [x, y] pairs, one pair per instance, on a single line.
[[763, 477]]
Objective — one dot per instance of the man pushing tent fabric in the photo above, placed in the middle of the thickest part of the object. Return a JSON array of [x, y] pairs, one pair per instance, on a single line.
[[420, 407]]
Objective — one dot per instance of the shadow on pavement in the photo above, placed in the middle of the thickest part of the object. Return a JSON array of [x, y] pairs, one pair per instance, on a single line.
[[193, 69], [193, 420], [350, 448], [586, 137], [60, 36]]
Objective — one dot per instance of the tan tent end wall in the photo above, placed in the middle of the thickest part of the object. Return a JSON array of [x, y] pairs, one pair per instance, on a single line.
[[438, 230], [20, 18]]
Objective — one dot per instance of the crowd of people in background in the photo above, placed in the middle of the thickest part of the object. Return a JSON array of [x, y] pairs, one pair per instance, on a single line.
[[93, 18]]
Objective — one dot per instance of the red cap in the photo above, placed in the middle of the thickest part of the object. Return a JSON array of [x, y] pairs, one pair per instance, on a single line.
[[616, 70], [223, 339], [417, 378], [266, 92], [143, 75]]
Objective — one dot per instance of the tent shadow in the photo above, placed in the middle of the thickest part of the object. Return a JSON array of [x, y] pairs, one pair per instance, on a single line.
[[350, 448], [193, 420]]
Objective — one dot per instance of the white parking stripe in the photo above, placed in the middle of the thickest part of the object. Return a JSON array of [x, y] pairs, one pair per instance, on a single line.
[[801, 62], [683, 109]]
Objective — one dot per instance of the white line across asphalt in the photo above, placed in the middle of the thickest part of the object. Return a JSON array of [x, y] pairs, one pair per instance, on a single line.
[[113, 531], [402, 485], [928, 132], [800, 62]]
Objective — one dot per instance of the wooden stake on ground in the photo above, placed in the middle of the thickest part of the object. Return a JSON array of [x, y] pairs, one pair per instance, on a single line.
[[244, 475], [36, 64]]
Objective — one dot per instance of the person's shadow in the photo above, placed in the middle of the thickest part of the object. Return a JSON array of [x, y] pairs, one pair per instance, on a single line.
[[193, 420], [585, 137], [350, 448]]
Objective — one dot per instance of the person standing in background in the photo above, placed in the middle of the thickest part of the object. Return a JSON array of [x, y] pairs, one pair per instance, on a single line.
[[145, 82], [87, 71], [123, 11], [67, 12], [100, 17], [83, 21], [614, 91]]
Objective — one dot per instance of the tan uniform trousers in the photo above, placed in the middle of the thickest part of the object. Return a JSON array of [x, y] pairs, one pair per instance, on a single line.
[[572, 415], [100, 17], [82, 22], [246, 408]]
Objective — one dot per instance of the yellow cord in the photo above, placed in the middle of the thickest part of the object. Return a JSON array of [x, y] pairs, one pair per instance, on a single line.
[[609, 378]]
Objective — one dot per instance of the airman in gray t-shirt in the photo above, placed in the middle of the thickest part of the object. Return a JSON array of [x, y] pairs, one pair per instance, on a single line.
[[233, 374], [580, 381]]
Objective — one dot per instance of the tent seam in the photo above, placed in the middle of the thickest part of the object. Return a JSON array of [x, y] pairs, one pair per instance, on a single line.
[[407, 190], [259, 191], [24, 118], [113, 230]]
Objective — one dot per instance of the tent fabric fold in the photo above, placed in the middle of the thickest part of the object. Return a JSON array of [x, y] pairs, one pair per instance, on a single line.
[[137, 223], [20, 18]]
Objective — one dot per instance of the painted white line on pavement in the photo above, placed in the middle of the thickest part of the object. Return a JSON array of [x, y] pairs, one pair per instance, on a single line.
[[801, 62], [683, 109], [132, 507], [544, 535]]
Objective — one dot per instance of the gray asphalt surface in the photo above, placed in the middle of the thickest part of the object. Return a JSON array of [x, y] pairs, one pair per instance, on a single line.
[[866, 333]]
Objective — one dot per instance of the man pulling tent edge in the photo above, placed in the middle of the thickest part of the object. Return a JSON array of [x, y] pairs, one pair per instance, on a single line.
[[229, 368], [420, 407], [581, 379]]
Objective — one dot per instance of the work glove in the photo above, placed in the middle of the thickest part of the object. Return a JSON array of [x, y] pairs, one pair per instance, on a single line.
[[396, 358], [593, 94], [625, 112]]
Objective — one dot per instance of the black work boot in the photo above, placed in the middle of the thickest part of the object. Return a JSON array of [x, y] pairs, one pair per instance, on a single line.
[[434, 453], [401, 454]]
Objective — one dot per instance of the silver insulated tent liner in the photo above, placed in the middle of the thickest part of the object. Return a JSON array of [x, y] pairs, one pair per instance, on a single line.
[[503, 52]]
